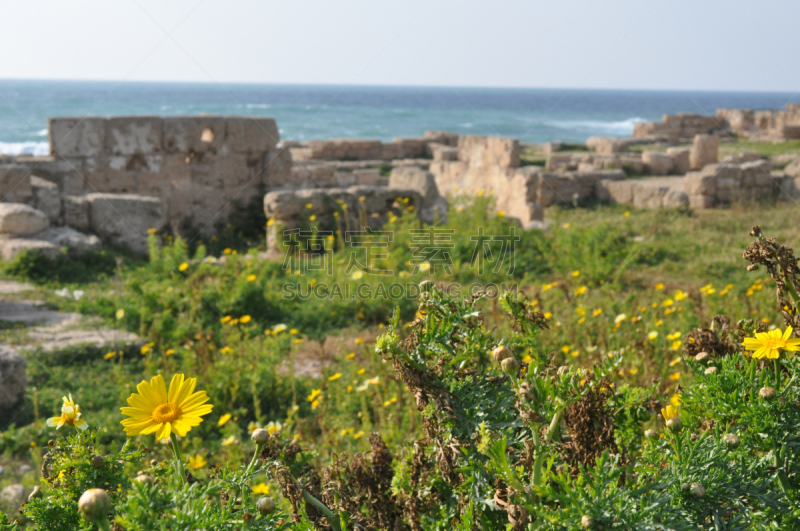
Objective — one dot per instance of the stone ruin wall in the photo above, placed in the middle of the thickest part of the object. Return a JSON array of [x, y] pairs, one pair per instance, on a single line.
[[198, 166], [766, 125]]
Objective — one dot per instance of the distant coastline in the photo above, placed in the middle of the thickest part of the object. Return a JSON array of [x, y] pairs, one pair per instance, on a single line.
[[307, 112]]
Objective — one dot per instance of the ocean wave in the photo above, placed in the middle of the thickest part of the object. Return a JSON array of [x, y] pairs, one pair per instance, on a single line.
[[258, 106], [43, 132], [622, 127], [24, 148]]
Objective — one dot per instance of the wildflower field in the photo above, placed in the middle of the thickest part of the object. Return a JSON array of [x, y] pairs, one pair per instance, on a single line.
[[642, 375]]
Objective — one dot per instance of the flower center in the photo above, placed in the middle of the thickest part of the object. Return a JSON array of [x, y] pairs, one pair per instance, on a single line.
[[775, 343], [166, 413]]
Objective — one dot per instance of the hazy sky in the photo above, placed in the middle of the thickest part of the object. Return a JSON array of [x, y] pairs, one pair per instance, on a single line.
[[666, 44]]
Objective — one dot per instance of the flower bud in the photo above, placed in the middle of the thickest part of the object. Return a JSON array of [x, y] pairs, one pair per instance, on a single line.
[[265, 505], [684, 486], [94, 504], [651, 434], [144, 479], [767, 393], [260, 436], [426, 285], [701, 356], [562, 370], [501, 353], [675, 424], [731, 440], [698, 490], [709, 371], [510, 366], [97, 461], [587, 522]]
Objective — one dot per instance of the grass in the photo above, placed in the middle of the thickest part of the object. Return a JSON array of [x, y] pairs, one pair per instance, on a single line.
[[612, 282]]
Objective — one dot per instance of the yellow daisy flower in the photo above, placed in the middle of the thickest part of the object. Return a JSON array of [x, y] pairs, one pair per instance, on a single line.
[[197, 462], [769, 344], [70, 415], [154, 410], [670, 412]]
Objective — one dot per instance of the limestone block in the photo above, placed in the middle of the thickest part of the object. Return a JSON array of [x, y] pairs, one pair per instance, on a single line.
[[193, 134], [700, 183], [756, 174], [277, 165], [76, 136], [442, 151], [413, 148], [251, 134], [618, 192], [13, 381], [554, 189], [607, 145], [368, 177], [705, 150], [560, 162], [124, 219], [648, 196], [18, 219], [11, 247], [133, 135], [286, 204], [792, 169], [343, 179], [15, 183], [70, 238], [449, 176], [442, 137], [392, 150], [488, 151], [586, 167], [76, 212], [46, 198], [701, 202], [657, 163], [680, 159], [675, 199]]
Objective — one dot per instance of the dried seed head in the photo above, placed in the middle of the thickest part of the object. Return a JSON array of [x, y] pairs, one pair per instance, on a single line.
[[510, 366], [97, 461], [651, 434], [698, 490], [587, 522], [501, 353], [767, 393], [709, 371], [36, 493], [260, 436], [674, 425], [153, 462], [265, 505], [701, 356], [426, 285], [94, 504], [563, 369], [684, 486], [752, 267], [731, 440]]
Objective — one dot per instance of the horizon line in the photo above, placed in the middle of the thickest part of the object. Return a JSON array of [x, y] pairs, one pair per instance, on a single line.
[[396, 86]]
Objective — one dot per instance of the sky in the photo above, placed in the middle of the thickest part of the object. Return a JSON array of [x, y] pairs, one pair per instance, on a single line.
[[631, 44]]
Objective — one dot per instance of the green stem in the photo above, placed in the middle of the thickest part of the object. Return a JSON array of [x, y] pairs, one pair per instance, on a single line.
[[537, 468], [103, 525], [323, 509], [777, 375], [255, 458], [178, 459]]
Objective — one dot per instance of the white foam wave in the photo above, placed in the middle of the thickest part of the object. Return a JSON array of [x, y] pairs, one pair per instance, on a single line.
[[622, 127], [258, 106], [24, 148], [43, 132]]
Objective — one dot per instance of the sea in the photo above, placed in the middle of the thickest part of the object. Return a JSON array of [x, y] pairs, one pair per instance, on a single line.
[[306, 112]]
